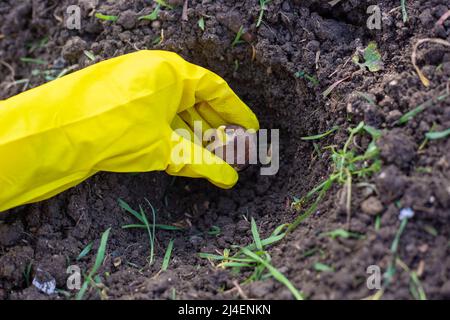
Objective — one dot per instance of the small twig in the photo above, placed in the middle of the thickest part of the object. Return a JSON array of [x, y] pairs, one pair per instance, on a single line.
[[11, 69], [184, 15], [422, 77], [327, 92], [442, 19], [340, 68], [317, 59], [239, 290]]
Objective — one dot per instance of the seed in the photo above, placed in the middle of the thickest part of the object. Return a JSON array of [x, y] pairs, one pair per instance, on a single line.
[[237, 142]]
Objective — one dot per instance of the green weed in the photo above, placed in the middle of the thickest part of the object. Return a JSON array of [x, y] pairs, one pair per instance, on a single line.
[[237, 40], [262, 8], [153, 15], [92, 277], [105, 17], [256, 258], [372, 58], [348, 164]]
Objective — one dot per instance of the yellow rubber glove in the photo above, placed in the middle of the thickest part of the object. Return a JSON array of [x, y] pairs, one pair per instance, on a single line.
[[117, 116]]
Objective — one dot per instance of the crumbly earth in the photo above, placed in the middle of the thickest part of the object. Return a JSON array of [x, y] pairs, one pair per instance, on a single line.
[[308, 36]]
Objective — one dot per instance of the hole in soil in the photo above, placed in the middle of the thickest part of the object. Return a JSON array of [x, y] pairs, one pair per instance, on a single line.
[[280, 102]]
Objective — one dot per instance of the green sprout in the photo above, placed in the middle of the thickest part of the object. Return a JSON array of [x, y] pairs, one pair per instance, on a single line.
[[237, 40], [144, 224], [152, 16], [341, 233], [27, 273], [434, 135], [320, 135], [163, 3], [256, 258], [33, 61], [92, 277], [321, 267], [201, 23], [348, 164], [214, 231], [422, 107], [404, 11], [167, 255], [303, 74], [142, 217], [85, 251], [262, 8], [105, 17]]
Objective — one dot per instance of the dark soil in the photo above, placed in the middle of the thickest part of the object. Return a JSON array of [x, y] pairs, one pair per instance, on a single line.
[[50, 235]]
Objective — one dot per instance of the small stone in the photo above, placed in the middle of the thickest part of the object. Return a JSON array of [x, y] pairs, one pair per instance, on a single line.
[[73, 49], [127, 19], [44, 282], [372, 206], [10, 234], [156, 24], [393, 116]]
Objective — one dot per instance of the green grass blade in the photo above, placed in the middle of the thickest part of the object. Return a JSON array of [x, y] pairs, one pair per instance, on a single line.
[[375, 133], [237, 265], [166, 260], [237, 39], [105, 17], [163, 3], [127, 208], [157, 226], [404, 11], [266, 242], [322, 267], [32, 60], [85, 251], [153, 235], [327, 185], [255, 234], [132, 226], [438, 134], [82, 291], [275, 273], [411, 114], [152, 16], [394, 246], [321, 135], [201, 23], [342, 233], [101, 252]]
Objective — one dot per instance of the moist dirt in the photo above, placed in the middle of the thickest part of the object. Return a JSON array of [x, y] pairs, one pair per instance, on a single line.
[[295, 38]]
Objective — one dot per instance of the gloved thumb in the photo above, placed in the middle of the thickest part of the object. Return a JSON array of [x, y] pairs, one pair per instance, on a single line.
[[189, 159]]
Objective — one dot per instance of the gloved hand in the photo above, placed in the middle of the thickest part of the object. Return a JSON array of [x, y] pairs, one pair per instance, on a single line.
[[117, 115]]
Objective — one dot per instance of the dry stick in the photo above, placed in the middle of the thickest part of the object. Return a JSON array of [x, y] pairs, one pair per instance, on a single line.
[[442, 19], [339, 68], [184, 15], [327, 92], [239, 290], [317, 59], [422, 77]]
